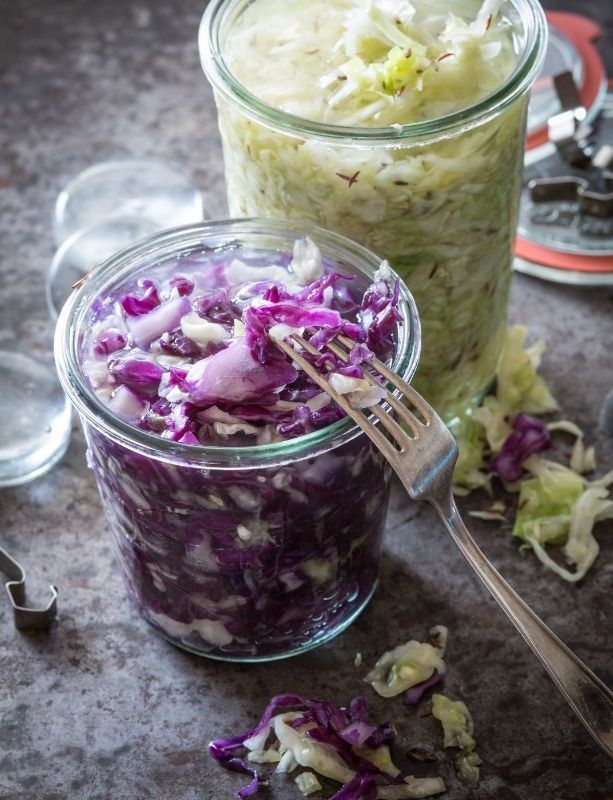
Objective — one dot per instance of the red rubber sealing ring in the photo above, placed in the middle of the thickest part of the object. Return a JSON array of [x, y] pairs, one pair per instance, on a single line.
[[581, 31], [554, 258]]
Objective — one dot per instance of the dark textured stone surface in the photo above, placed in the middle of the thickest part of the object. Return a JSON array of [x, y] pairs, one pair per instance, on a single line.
[[101, 708]]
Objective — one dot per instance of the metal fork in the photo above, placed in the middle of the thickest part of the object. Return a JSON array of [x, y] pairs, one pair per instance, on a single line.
[[424, 462]]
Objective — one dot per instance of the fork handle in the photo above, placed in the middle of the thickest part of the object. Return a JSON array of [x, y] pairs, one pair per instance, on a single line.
[[586, 694]]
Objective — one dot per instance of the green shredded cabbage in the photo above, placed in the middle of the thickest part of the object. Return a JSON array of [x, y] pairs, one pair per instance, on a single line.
[[458, 732], [299, 749], [580, 546], [556, 505], [307, 783], [520, 387], [441, 211], [467, 767], [430, 60], [582, 459], [481, 430], [293, 748], [408, 664], [493, 415], [413, 788], [456, 721], [470, 469], [546, 502], [380, 757]]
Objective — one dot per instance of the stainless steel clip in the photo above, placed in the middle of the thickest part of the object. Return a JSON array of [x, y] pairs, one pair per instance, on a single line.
[[594, 195], [567, 130], [25, 617]]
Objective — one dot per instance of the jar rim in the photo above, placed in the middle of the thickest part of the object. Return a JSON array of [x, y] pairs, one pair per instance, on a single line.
[[180, 241], [517, 83]]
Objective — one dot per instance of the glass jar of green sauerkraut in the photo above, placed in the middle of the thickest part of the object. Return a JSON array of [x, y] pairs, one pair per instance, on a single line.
[[400, 125]]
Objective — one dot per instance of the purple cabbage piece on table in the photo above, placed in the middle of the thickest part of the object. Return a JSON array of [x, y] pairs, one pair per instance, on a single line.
[[530, 435], [362, 787]]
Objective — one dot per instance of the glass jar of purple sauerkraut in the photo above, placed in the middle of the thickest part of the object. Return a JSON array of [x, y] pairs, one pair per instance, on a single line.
[[241, 553]]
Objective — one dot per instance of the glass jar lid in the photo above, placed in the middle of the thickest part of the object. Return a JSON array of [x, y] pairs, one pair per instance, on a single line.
[[109, 206], [145, 192], [36, 418]]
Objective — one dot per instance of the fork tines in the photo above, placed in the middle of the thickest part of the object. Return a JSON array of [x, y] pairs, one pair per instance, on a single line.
[[413, 420]]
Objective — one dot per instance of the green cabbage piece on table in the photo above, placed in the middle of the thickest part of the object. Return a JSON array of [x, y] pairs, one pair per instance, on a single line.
[[307, 783], [467, 767], [408, 665], [457, 724], [470, 469], [519, 386], [545, 504], [558, 506]]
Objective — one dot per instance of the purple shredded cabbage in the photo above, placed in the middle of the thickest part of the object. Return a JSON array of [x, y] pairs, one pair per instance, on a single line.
[[383, 734], [350, 371], [529, 436], [233, 376], [109, 342], [188, 438], [215, 306], [357, 733], [135, 306], [163, 318], [360, 353], [244, 544], [242, 370], [140, 375], [315, 292], [182, 284], [222, 750], [362, 787]]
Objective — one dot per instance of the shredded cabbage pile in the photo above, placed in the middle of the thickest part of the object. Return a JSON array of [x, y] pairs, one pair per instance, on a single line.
[[557, 504], [375, 62], [191, 355], [340, 744]]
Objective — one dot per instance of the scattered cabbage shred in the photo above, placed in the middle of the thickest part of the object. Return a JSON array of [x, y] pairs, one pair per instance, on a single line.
[[457, 724], [557, 504], [409, 666], [307, 783]]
